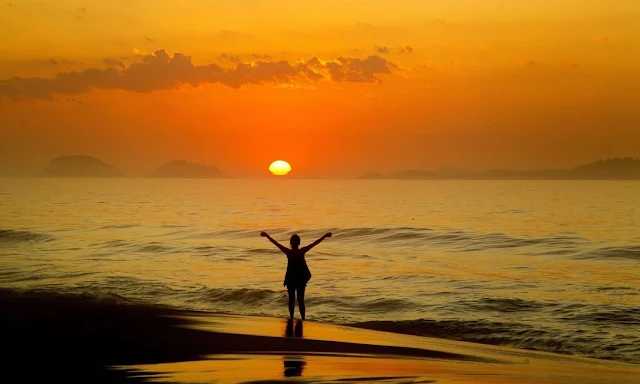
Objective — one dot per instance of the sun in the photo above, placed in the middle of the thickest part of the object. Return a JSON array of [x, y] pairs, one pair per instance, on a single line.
[[280, 168]]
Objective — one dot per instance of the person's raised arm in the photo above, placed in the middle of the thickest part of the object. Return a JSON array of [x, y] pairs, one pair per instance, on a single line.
[[280, 246], [308, 247]]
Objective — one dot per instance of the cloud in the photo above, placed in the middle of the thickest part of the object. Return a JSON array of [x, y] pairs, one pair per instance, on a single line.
[[163, 71], [231, 57], [115, 62], [530, 63], [356, 70], [52, 62], [295, 86], [406, 49], [237, 59], [259, 56], [381, 49], [228, 34]]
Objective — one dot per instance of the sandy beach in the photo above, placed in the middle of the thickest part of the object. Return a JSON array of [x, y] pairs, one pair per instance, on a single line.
[[73, 339]]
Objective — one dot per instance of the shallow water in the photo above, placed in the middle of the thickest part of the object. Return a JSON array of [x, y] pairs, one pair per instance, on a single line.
[[546, 265]]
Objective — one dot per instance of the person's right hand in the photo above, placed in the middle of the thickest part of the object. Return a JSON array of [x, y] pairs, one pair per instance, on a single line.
[[328, 234], [263, 234]]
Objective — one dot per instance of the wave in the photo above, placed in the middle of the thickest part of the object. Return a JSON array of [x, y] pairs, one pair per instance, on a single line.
[[9, 236], [133, 246], [243, 296], [505, 305], [469, 241], [155, 248], [450, 240], [619, 316], [48, 294], [631, 252], [517, 335], [121, 226], [257, 301], [455, 240], [361, 306]]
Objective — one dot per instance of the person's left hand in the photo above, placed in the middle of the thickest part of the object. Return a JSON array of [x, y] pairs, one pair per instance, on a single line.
[[328, 234]]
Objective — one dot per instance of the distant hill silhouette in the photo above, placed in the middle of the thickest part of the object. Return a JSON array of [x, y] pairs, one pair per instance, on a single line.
[[80, 166], [187, 169], [610, 169]]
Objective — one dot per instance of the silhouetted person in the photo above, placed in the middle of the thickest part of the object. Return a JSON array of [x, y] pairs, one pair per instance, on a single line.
[[298, 274]]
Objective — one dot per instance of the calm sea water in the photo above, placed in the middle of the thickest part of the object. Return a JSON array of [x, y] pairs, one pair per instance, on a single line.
[[546, 265]]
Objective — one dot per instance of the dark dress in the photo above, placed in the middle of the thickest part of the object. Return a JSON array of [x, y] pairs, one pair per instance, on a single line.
[[298, 273]]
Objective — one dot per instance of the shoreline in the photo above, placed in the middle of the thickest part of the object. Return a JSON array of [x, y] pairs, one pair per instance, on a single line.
[[80, 340]]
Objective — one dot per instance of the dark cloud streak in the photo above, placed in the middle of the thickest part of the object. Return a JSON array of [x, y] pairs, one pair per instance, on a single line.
[[381, 49], [406, 49], [53, 62], [162, 71]]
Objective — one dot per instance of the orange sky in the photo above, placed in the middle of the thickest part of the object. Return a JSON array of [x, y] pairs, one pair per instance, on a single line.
[[337, 88]]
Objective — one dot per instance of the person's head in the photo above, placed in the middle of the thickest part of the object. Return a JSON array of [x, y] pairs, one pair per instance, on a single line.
[[295, 241]]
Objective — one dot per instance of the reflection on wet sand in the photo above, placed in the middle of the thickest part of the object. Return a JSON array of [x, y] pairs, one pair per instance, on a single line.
[[293, 328], [293, 365]]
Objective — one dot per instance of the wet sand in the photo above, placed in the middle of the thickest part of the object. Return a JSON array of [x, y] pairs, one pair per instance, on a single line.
[[64, 339]]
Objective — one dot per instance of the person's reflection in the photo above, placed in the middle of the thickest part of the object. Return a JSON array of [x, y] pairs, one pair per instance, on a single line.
[[288, 330], [293, 365], [297, 332], [293, 330]]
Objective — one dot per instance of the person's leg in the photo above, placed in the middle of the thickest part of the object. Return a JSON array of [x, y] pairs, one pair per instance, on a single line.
[[301, 300], [292, 300]]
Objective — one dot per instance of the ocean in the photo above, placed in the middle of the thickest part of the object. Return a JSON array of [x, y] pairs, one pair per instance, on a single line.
[[543, 265]]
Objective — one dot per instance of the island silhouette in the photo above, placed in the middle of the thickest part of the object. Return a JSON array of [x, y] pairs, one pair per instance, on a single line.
[[80, 166], [188, 169], [627, 168]]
